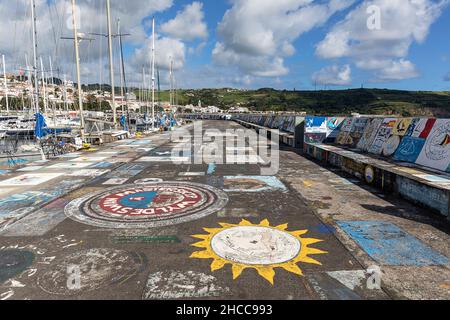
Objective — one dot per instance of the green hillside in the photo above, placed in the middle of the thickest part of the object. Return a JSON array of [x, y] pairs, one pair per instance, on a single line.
[[336, 102]]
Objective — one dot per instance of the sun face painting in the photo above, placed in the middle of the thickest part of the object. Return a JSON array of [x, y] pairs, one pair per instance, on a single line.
[[256, 246]]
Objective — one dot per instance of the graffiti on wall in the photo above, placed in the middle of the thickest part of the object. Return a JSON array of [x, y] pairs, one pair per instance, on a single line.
[[436, 151], [382, 136], [369, 134], [409, 149]]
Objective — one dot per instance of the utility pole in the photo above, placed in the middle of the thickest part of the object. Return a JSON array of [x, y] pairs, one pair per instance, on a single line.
[[77, 58], [34, 33], [6, 85], [111, 66]]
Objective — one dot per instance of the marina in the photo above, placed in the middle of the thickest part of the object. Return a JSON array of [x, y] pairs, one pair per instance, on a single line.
[[218, 152]]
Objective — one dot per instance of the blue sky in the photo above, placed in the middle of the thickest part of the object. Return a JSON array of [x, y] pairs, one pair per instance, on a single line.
[[285, 44], [431, 57]]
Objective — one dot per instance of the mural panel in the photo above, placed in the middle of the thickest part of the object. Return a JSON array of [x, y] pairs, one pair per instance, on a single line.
[[436, 151]]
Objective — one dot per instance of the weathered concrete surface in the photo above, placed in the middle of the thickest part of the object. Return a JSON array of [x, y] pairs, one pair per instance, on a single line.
[[38, 245]]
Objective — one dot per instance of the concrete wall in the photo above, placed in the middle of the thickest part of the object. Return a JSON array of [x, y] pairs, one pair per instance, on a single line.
[[384, 177]]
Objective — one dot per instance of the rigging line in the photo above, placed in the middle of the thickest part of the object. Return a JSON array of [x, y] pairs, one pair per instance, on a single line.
[[53, 25], [15, 33], [58, 37]]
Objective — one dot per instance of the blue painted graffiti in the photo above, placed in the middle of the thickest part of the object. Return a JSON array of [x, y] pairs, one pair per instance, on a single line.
[[101, 165], [211, 168], [409, 149], [256, 184], [27, 201], [140, 200], [324, 229], [389, 245], [14, 162]]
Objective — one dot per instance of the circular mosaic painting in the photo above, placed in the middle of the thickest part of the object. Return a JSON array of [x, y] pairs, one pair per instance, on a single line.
[[255, 245], [146, 206]]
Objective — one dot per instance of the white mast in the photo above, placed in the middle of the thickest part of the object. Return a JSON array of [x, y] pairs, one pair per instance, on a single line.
[[51, 70], [34, 32], [144, 99], [5, 83], [121, 71], [153, 74], [171, 81], [43, 86], [29, 82], [66, 109], [77, 59], [111, 71]]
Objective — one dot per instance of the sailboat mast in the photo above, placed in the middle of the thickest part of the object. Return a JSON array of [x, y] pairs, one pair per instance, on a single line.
[[51, 71], [5, 83], [111, 70], [66, 109], [121, 70], [43, 86], [144, 100], [171, 81], [34, 32], [77, 59], [29, 82], [153, 74]]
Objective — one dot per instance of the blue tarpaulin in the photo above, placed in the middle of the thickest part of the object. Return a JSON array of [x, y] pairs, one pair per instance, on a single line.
[[123, 122], [40, 126]]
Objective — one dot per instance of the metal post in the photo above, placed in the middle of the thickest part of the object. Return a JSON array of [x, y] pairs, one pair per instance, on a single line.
[[111, 71], [153, 75], [34, 33], [6, 85], [43, 86], [121, 69], [77, 59]]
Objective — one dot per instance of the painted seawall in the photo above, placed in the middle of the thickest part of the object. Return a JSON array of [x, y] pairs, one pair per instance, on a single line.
[[388, 177]]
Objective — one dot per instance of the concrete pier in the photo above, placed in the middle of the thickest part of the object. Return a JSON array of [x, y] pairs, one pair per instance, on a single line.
[[133, 219]]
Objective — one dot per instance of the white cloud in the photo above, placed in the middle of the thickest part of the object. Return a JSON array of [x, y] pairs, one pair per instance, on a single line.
[[165, 48], [257, 35], [447, 77], [188, 25], [383, 51], [333, 75], [54, 21]]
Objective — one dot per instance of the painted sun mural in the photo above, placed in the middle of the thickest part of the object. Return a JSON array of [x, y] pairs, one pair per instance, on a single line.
[[256, 246]]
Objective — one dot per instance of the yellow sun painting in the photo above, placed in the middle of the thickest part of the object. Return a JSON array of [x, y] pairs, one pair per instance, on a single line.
[[256, 246]]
